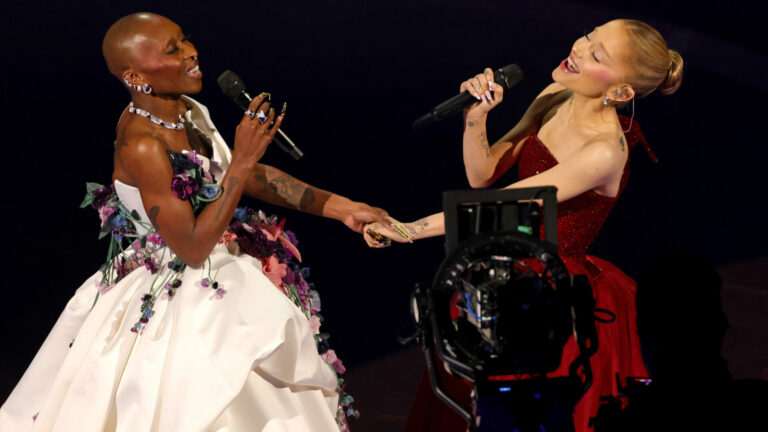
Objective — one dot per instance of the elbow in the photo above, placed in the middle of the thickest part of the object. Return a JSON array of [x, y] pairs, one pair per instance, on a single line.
[[479, 179], [192, 259], [476, 182]]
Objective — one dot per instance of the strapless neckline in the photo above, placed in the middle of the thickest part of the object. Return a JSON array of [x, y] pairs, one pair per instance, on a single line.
[[535, 139]]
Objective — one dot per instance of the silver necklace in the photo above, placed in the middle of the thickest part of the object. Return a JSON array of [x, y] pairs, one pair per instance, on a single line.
[[157, 120]]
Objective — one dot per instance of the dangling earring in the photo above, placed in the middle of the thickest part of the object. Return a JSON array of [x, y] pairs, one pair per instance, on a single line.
[[605, 101], [147, 89]]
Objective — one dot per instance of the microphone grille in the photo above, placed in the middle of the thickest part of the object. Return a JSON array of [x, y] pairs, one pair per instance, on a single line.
[[231, 84], [508, 76]]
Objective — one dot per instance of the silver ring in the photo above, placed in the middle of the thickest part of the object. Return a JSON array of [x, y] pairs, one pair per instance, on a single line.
[[262, 117], [250, 113]]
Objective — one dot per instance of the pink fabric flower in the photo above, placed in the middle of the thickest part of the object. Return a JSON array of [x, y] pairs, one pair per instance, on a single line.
[[275, 233], [105, 212], [314, 324], [274, 270], [227, 238], [331, 359]]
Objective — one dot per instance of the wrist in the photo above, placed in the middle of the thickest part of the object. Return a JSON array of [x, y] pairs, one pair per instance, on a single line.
[[338, 207], [240, 163], [475, 118]]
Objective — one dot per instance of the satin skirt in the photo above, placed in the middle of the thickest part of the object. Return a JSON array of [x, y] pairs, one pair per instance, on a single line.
[[244, 362]]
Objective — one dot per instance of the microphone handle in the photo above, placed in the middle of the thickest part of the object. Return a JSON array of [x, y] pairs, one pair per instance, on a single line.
[[243, 101], [445, 109]]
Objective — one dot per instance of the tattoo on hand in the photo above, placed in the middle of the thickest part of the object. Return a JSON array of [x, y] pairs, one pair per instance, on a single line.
[[621, 140], [153, 213], [484, 143], [231, 184]]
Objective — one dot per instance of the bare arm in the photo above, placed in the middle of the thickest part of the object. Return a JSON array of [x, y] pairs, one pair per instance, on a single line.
[[144, 161], [597, 166], [484, 164], [274, 186], [430, 226]]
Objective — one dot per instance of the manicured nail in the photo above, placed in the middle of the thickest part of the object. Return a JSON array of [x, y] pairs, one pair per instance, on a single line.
[[488, 94], [484, 100], [285, 106]]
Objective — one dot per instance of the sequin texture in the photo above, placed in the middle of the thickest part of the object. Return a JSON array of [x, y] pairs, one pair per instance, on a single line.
[[580, 218]]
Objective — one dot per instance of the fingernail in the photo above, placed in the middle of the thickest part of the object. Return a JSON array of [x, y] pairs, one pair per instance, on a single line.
[[285, 106], [263, 94], [484, 100], [488, 94], [271, 112], [476, 96], [493, 85]]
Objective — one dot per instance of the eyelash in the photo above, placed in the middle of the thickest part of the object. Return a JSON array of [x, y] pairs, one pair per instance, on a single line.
[[586, 35], [175, 49]]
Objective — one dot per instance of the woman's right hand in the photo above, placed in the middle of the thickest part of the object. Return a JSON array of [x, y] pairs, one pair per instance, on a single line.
[[253, 134], [377, 235], [485, 90]]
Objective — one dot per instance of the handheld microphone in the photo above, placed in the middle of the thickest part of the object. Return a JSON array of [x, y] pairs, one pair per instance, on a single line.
[[507, 77], [233, 86]]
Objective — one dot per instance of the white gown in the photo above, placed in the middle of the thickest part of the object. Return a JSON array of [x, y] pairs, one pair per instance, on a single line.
[[244, 362]]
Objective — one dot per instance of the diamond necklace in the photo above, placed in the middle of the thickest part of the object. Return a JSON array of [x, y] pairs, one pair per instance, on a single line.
[[156, 120]]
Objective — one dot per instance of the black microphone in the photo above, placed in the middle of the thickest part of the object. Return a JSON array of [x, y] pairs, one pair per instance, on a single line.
[[507, 77], [233, 86]]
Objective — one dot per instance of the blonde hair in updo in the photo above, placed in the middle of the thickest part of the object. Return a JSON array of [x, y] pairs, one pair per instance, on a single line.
[[653, 65]]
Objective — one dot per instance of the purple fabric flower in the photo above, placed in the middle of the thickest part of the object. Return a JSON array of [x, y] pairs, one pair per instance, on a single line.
[[151, 265], [101, 196], [291, 237], [184, 185], [181, 163], [155, 238]]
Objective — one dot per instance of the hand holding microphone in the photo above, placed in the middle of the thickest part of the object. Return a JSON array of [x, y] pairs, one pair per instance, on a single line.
[[472, 90], [233, 86], [254, 133], [485, 90]]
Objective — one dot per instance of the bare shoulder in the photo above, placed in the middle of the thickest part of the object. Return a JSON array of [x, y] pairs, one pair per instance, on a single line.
[[606, 149], [141, 155]]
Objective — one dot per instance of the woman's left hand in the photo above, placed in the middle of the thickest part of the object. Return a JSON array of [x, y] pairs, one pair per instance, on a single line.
[[484, 88]]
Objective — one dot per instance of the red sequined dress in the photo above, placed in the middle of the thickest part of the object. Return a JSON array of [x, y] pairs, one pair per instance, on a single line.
[[579, 219]]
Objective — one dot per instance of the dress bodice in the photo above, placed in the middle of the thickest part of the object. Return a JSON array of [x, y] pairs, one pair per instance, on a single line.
[[580, 218], [199, 119]]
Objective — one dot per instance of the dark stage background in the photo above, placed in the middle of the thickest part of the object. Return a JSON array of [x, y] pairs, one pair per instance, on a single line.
[[356, 74]]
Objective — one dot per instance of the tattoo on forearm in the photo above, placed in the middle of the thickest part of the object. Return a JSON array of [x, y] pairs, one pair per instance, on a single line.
[[307, 199], [231, 184], [484, 143], [470, 123], [282, 189], [418, 226], [621, 140], [153, 213]]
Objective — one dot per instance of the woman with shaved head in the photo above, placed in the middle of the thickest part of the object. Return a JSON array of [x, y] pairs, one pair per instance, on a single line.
[[201, 319]]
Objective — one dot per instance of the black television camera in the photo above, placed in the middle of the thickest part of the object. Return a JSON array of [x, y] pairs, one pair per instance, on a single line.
[[501, 308]]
